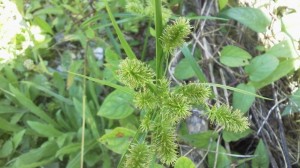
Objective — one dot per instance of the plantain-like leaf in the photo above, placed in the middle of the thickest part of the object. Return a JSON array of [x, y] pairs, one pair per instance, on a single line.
[[261, 67], [117, 105], [242, 101], [117, 139], [184, 162], [233, 56], [253, 18]]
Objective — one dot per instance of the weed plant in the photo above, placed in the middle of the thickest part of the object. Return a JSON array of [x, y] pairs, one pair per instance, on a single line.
[[65, 115], [164, 106]]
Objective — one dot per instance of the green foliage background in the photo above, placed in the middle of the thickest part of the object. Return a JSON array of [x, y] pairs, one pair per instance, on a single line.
[[62, 98]]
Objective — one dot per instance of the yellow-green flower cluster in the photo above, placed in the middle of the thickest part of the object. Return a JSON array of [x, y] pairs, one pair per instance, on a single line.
[[135, 6], [138, 156], [165, 107], [147, 8], [134, 73], [173, 35], [145, 100], [176, 107], [231, 120], [196, 92], [163, 138]]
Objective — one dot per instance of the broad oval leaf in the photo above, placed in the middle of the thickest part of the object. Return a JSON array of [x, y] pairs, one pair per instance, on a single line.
[[261, 67], [243, 101], [222, 4], [261, 159], [118, 139], [183, 70], [184, 162], [234, 136], [199, 140], [233, 56], [293, 104], [117, 105], [253, 18], [282, 69], [283, 49], [219, 160]]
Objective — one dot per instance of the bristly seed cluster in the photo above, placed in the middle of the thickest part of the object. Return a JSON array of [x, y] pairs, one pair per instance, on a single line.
[[165, 107], [147, 8], [173, 35]]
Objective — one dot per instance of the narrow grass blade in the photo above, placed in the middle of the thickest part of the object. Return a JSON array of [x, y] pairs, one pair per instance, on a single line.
[[104, 82], [49, 92], [206, 18], [236, 90], [124, 43], [188, 55], [110, 35], [7, 126], [27, 103]]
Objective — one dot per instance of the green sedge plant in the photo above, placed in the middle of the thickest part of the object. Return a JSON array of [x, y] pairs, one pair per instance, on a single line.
[[163, 107]]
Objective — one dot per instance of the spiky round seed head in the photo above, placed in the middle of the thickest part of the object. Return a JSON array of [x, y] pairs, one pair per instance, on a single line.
[[173, 35], [176, 107], [134, 73], [135, 6], [163, 138], [231, 120], [145, 100], [138, 156], [195, 92]]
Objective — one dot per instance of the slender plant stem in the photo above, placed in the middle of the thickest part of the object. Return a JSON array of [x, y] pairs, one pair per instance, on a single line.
[[146, 41], [82, 132], [83, 109], [217, 152], [158, 33]]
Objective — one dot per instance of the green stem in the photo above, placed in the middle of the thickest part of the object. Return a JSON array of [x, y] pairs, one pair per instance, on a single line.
[[83, 109], [158, 31], [146, 42]]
